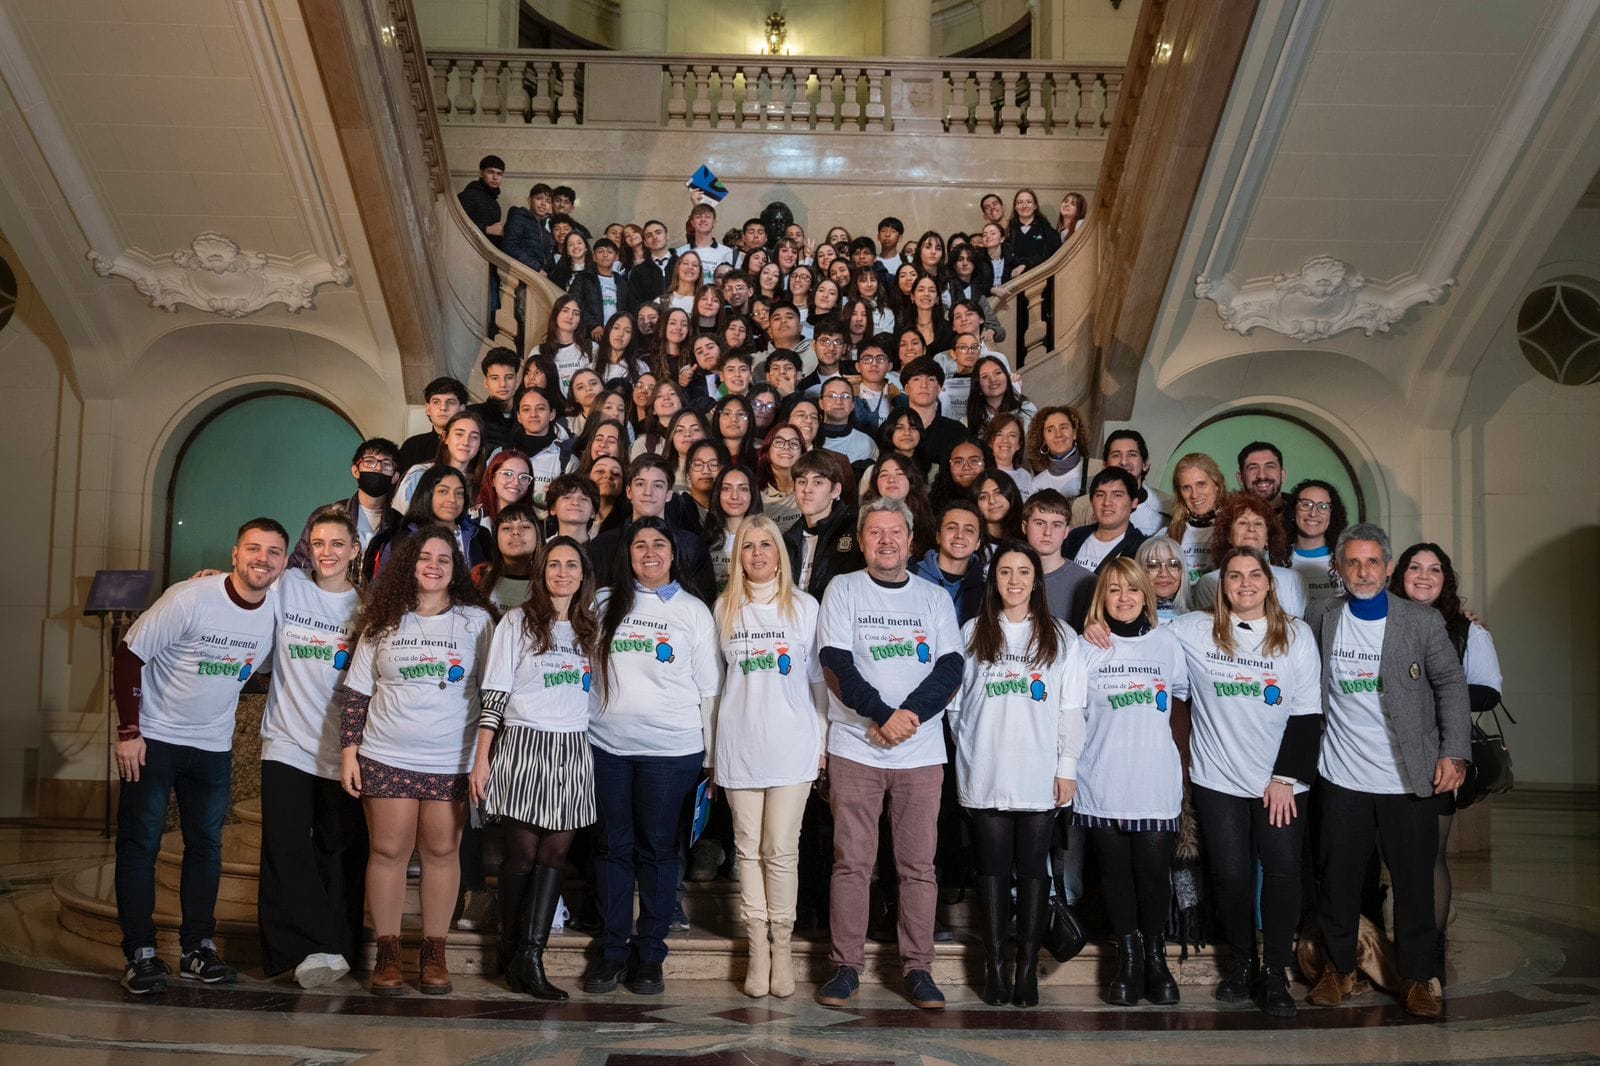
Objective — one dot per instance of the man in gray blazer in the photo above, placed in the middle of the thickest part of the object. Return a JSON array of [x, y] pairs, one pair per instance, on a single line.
[[1396, 740]]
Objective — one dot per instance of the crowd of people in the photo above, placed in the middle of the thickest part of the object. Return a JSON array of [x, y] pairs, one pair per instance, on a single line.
[[759, 562]]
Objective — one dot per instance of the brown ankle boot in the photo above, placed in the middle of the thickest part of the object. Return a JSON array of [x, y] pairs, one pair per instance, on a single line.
[[435, 976], [387, 978]]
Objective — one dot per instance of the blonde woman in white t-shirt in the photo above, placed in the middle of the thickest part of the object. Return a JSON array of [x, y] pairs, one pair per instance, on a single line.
[[771, 722]]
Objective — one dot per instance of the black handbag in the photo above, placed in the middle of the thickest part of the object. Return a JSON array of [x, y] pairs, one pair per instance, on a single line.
[[1489, 773]]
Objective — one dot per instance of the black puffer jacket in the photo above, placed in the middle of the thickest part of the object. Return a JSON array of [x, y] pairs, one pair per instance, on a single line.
[[481, 203]]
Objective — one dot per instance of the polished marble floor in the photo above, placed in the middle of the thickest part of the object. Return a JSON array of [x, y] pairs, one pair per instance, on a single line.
[[1524, 988]]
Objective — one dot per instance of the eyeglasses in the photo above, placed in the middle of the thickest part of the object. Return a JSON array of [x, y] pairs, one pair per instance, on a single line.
[[967, 463], [838, 396], [369, 464], [737, 415], [1313, 505], [785, 444], [514, 478], [762, 406], [705, 466], [873, 360], [1155, 566], [829, 342]]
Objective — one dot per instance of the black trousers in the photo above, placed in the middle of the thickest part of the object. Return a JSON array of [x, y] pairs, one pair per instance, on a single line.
[[313, 868], [1235, 835], [1406, 829], [1136, 877], [1007, 841]]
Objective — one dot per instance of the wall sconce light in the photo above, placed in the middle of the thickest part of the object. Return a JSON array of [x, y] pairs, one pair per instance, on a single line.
[[776, 33]]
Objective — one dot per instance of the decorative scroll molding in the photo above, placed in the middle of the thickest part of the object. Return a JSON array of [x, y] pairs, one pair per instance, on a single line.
[[214, 274], [1327, 296]]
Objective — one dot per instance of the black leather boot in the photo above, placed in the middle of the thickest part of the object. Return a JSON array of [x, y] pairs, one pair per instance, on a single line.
[[1159, 985], [994, 898], [1239, 978], [1128, 984], [1032, 899], [512, 889], [543, 895]]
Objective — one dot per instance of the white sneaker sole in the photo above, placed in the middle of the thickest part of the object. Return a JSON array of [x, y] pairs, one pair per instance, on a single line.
[[316, 971]]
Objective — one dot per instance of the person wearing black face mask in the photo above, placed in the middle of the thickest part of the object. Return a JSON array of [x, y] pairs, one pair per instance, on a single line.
[[376, 468]]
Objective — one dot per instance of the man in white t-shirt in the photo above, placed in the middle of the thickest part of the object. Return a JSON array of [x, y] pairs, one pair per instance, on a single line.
[[892, 655], [1152, 511], [703, 224], [1111, 497], [176, 681]]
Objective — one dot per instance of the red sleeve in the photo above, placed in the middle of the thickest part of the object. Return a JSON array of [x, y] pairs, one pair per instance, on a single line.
[[127, 679]]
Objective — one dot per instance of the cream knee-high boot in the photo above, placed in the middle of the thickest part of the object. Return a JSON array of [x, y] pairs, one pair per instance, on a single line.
[[758, 976], [782, 984]]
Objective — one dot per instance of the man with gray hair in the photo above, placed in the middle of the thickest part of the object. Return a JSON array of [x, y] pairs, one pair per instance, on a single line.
[[892, 657], [1396, 742]]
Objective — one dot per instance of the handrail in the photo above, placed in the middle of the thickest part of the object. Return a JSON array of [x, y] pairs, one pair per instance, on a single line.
[[1060, 294], [525, 297]]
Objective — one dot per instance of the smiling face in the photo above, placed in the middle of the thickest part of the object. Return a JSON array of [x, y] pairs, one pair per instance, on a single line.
[[573, 509], [735, 494], [925, 293], [892, 480], [959, 535], [1424, 578], [1261, 474], [462, 442], [1313, 511], [648, 491], [650, 553], [1250, 531], [449, 500], [563, 571], [1005, 443], [606, 474], [1059, 436], [966, 463], [1363, 568], [676, 329], [992, 501], [785, 448], [826, 298], [759, 555], [1112, 505], [1166, 574], [807, 419], [259, 558], [1244, 587], [1124, 601], [512, 480], [435, 565], [333, 549], [886, 543], [533, 414], [1200, 493], [1014, 577], [905, 436]]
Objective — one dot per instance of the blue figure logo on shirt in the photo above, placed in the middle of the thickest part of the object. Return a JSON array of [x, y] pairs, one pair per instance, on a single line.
[[664, 651], [341, 658], [246, 670], [1272, 694], [587, 679], [784, 662], [1161, 697], [1036, 689], [456, 673], [924, 653]]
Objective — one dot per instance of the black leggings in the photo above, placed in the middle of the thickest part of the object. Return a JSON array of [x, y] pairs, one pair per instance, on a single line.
[[1012, 840], [528, 846], [1136, 878], [1236, 835]]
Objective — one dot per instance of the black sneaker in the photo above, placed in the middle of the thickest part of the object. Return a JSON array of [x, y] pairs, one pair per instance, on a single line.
[[838, 989], [604, 976], [922, 992], [203, 964], [146, 975], [647, 979], [1276, 1000]]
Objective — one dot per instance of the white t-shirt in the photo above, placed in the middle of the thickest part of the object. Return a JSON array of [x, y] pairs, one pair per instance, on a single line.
[[1069, 484], [1359, 750], [895, 635], [1093, 551], [569, 360], [1147, 517], [548, 691], [955, 394], [1313, 568], [301, 725], [423, 677], [1290, 587], [546, 467], [664, 661], [1017, 726], [608, 295], [855, 446], [1197, 550], [722, 560], [1130, 767], [368, 523], [768, 730], [1482, 662], [710, 258], [199, 648], [1023, 479], [1241, 703]]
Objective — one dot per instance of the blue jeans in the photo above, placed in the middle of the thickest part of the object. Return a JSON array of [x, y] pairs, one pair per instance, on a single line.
[[202, 781], [640, 798]]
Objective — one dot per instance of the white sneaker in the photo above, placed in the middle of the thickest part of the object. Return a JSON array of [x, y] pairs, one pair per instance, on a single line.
[[320, 969], [478, 911]]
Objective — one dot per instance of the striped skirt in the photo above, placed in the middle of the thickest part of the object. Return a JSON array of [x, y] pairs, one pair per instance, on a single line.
[[543, 779]]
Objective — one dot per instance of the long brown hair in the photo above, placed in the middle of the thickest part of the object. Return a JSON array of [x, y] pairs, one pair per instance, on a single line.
[[394, 594], [539, 612], [1278, 628], [988, 642]]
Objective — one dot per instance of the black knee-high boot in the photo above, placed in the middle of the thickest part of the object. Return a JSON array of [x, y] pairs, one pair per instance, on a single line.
[[1032, 899], [994, 896], [540, 912], [512, 889]]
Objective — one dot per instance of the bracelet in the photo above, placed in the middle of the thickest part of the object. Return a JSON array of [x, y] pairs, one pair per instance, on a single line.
[[1281, 780]]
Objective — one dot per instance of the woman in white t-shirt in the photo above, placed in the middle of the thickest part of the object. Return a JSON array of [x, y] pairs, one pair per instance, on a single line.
[[411, 706], [1317, 516], [1247, 521], [313, 836], [1198, 489], [565, 342], [1256, 702], [771, 724], [1162, 559], [1130, 775], [533, 771], [1017, 723], [733, 501], [656, 674]]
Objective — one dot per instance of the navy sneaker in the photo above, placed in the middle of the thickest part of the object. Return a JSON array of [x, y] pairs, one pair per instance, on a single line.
[[205, 965], [146, 975], [923, 992], [838, 989]]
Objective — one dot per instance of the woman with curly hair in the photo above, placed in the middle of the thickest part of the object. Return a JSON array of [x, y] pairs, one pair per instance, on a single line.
[[1056, 452], [1198, 489], [533, 771], [1247, 521], [1317, 514], [411, 702]]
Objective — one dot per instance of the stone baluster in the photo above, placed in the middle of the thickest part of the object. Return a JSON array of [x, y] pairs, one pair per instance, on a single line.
[[957, 112], [701, 108], [877, 118], [1034, 336], [466, 69], [677, 106], [799, 84], [567, 107], [850, 98], [441, 84], [1010, 113], [1113, 93], [750, 107], [516, 91], [490, 106], [1064, 103], [507, 323], [827, 109], [1033, 114], [540, 104], [1088, 120], [726, 96], [783, 93], [983, 117]]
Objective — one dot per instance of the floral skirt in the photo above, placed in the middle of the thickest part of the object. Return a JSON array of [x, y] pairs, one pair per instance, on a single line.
[[382, 781]]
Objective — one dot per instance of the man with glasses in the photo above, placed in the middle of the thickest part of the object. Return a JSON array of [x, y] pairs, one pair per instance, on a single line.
[[376, 469], [838, 433], [877, 389], [829, 344], [958, 363]]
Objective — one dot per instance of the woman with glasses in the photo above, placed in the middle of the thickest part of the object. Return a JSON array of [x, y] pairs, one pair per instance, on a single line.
[[507, 480], [805, 416], [733, 423], [1162, 559], [685, 430], [960, 472], [763, 414], [705, 461], [775, 470], [1318, 517]]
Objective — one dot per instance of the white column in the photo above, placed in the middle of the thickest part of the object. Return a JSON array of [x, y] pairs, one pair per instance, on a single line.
[[643, 26], [907, 27]]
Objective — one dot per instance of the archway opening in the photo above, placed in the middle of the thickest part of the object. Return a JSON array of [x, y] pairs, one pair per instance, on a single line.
[[1307, 452]]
